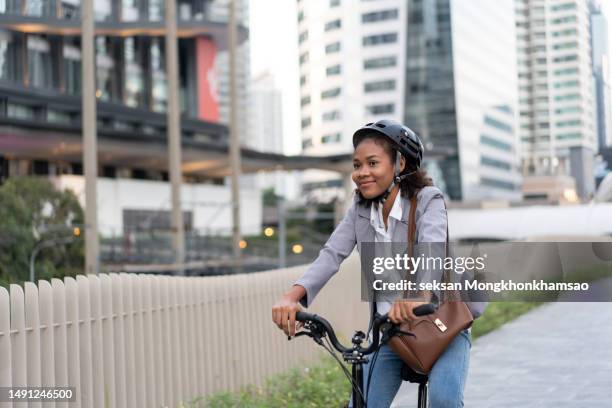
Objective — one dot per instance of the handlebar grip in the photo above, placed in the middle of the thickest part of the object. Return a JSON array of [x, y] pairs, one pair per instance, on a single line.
[[303, 317], [425, 309]]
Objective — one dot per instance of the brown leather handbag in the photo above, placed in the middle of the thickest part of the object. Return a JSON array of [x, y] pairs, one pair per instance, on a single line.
[[420, 342]]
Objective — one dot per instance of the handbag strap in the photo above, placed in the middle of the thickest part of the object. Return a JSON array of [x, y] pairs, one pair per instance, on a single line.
[[411, 233], [412, 236]]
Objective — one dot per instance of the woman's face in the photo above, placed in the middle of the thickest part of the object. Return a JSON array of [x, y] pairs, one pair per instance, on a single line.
[[372, 168]]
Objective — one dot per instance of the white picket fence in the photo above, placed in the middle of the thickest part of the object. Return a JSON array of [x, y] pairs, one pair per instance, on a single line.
[[153, 341]]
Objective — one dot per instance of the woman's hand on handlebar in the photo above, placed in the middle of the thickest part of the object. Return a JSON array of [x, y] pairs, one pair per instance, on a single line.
[[402, 310], [283, 311]]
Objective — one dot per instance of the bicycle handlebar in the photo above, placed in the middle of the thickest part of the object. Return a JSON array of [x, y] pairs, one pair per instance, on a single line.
[[322, 326]]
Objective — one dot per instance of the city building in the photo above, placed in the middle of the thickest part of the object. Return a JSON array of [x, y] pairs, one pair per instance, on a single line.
[[435, 66], [266, 124], [557, 99], [40, 99], [601, 73], [267, 115]]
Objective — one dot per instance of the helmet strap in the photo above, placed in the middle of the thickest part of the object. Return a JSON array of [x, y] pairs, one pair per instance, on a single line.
[[397, 178]]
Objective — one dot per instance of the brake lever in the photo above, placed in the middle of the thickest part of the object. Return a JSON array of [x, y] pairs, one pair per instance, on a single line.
[[303, 333]]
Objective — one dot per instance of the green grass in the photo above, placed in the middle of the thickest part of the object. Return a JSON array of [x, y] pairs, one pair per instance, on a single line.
[[499, 313], [323, 384]]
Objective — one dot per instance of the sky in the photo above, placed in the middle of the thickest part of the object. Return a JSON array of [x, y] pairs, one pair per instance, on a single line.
[[273, 41]]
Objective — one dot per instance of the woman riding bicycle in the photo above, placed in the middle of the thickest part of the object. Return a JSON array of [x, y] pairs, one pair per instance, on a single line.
[[387, 171]]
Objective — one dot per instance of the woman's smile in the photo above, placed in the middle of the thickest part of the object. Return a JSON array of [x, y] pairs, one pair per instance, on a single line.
[[365, 184]]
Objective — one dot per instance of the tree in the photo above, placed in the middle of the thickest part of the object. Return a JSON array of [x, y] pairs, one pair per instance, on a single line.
[[270, 199], [33, 211]]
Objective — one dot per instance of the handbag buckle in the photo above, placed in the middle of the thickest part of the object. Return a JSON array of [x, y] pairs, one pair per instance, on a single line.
[[440, 325]]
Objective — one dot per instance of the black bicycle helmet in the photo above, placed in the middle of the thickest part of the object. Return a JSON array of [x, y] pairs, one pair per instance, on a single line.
[[403, 139]]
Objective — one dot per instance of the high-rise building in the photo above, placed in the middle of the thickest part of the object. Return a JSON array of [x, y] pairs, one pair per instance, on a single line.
[[351, 69], [40, 105], [218, 12], [267, 134], [437, 66], [267, 115], [40, 78], [601, 73], [557, 101]]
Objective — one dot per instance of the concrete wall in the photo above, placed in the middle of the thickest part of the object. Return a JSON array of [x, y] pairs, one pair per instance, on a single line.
[[209, 204]]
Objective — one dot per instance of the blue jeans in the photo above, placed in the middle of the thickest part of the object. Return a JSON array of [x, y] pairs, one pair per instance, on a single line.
[[446, 379]]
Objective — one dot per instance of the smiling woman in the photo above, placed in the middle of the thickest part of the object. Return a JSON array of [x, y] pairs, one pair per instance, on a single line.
[[387, 171]]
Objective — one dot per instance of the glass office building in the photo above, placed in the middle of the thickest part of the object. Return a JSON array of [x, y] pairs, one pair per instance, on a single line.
[[461, 93], [40, 80], [446, 68]]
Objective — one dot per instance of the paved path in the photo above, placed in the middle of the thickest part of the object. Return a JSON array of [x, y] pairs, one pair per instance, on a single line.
[[558, 355]]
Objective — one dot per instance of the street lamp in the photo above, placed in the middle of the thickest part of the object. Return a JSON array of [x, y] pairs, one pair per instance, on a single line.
[[48, 244]]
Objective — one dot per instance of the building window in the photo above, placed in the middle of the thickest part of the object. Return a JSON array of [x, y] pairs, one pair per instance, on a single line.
[[333, 25], [158, 92], [380, 109], [156, 10], [498, 124], [331, 116], [333, 70], [72, 65], [565, 6], [567, 84], [304, 57], [568, 123], [492, 142], [306, 122], [567, 97], [490, 182], [129, 10], [40, 63], [332, 48], [569, 109], [379, 16], [565, 46], [330, 93], [378, 86], [9, 52], [563, 33], [331, 138], [563, 20], [499, 164], [102, 10], [305, 100], [566, 58], [303, 37], [56, 116], [19, 111], [566, 71], [334, 3], [302, 80], [306, 143], [134, 83], [376, 63], [378, 39], [105, 69], [567, 136], [300, 16]]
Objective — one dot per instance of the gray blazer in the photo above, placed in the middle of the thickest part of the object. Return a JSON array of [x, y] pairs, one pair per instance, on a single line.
[[355, 228]]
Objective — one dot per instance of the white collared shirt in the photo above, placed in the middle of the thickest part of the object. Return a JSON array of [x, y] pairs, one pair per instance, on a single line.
[[382, 234]]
